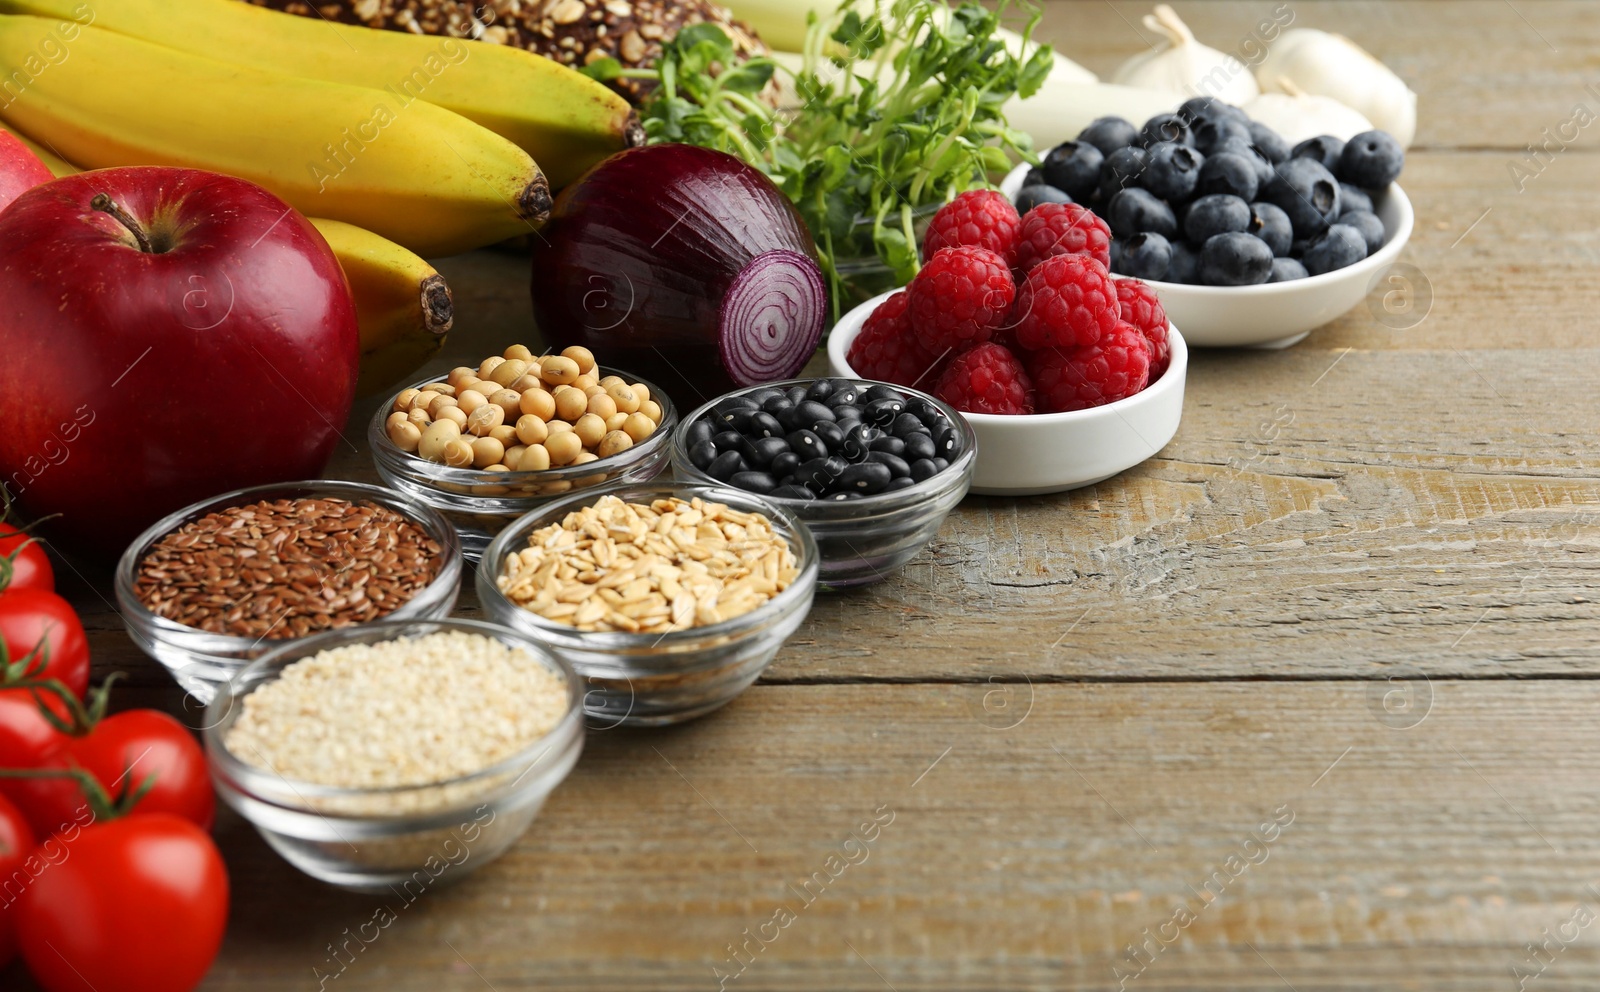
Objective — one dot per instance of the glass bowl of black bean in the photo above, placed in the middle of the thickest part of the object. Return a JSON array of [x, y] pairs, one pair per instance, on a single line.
[[872, 469]]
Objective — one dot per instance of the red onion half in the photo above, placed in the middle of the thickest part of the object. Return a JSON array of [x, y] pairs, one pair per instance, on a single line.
[[683, 264]]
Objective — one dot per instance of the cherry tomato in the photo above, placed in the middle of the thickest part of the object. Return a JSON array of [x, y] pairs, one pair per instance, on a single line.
[[26, 739], [29, 615], [16, 843], [122, 752], [30, 568], [138, 904]]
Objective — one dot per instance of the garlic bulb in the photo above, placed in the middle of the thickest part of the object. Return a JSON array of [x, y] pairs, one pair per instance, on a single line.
[[1185, 66], [1298, 115], [1332, 65]]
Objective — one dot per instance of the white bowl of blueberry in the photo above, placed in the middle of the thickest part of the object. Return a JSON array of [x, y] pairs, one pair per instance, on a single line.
[[1246, 240]]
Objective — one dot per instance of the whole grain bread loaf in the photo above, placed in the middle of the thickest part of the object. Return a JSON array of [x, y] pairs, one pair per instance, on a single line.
[[573, 32]]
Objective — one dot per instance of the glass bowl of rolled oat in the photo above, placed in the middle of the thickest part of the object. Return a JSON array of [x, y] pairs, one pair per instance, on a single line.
[[218, 584], [396, 756], [667, 599]]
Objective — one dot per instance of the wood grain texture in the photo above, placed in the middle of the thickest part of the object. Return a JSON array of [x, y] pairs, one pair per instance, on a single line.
[[1079, 706]]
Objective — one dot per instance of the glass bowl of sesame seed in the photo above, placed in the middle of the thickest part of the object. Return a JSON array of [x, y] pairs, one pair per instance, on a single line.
[[396, 756], [212, 587], [668, 599]]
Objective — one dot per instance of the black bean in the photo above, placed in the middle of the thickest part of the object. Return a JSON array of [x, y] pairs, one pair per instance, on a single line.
[[820, 473], [832, 435], [793, 492], [761, 396], [895, 485], [814, 412], [728, 404], [919, 446], [777, 404], [739, 420], [946, 441], [925, 412], [807, 444], [897, 465], [763, 451], [941, 463], [701, 455], [755, 482], [844, 392], [892, 445], [924, 469], [699, 431], [907, 424], [820, 390], [841, 497], [765, 425], [878, 391], [846, 411], [784, 464], [882, 413], [865, 478], [726, 466], [727, 440], [795, 394]]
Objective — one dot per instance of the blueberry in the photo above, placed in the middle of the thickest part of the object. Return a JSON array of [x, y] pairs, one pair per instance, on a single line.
[[1324, 148], [1146, 255], [1226, 172], [1271, 224], [1219, 213], [820, 390], [1184, 267], [1197, 107], [1235, 259], [1165, 127], [897, 466], [1269, 141], [807, 444], [1171, 170], [1122, 168], [1211, 133], [1354, 199], [1109, 133], [726, 466], [1340, 245], [1035, 177], [1286, 269], [1133, 210], [1371, 160], [1305, 191], [699, 432], [784, 464], [1073, 167], [1036, 193], [881, 413], [1114, 256], [918, 446], [1256, 157], [793, 491], [702, 454], [1368, 224], [755, 482]]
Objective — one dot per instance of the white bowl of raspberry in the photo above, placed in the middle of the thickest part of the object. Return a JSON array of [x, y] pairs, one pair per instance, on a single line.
[[1032, 454], [1278, 314]]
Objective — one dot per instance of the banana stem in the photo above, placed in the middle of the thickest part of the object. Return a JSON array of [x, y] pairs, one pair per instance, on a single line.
[[103, 203]]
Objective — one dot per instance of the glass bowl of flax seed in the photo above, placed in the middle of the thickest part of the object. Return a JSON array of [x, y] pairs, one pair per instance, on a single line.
[[214, 586]]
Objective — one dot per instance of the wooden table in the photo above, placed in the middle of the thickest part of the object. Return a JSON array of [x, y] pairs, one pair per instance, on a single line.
[[1352, 601]]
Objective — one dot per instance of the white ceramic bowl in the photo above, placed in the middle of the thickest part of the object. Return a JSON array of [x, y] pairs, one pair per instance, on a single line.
[[1052, 452], [1274, 315]]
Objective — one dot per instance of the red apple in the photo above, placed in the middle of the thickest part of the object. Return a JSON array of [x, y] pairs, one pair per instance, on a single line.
[[20, 168], [167, 335]]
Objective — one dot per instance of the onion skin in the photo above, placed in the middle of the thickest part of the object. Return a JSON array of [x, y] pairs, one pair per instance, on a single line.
[[641, 253]]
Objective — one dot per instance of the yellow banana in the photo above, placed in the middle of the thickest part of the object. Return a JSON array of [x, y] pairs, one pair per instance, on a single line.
[[57, 165], [402, 302], [562, 118], [413, 172]]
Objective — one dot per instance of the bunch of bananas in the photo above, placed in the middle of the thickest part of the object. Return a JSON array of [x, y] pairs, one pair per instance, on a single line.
[[409, 145]]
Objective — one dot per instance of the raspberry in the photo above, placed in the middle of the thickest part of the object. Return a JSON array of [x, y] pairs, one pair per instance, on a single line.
[[887, 350], [986, 379], [982, 218], [1142, 309], [1079, 378], [960, 297], [1061, 229], [1067, 301]]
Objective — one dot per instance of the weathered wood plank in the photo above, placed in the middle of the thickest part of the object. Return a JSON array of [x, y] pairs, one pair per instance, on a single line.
[[1027, 849]]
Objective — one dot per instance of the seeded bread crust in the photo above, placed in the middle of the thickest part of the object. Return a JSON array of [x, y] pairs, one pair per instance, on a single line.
[[572, 32]]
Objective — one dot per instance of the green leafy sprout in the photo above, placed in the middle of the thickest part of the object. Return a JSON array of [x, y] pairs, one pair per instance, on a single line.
[[897, 106]]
